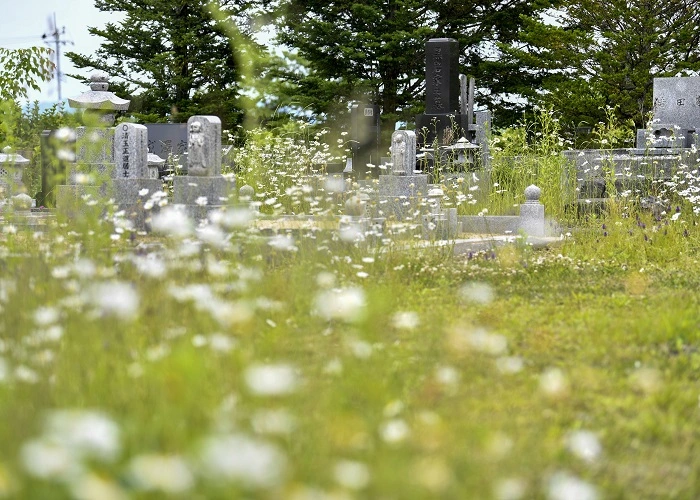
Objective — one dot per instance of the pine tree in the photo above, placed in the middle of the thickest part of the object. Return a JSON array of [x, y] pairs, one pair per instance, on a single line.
[[374, 51], [591, 56], [175, 57]]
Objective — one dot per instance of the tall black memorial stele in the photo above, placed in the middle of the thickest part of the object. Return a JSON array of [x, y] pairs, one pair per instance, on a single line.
[[442, 119], [365, 139]]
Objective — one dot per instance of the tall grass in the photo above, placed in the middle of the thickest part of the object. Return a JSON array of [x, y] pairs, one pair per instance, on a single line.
[[530, 153]]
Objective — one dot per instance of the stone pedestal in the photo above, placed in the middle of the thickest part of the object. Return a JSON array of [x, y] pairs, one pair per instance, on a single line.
[[401, 195], [94, 167], [129, 197], [78, 200], [199, 194]]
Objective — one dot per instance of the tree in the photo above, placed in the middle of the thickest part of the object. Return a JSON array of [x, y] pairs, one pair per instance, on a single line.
[[176, 57], [591, 56], [23, 69], [374, 50]]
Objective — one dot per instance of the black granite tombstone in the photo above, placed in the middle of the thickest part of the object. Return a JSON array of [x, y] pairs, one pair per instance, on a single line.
[[442, 120], [365, 139], [165, 139]]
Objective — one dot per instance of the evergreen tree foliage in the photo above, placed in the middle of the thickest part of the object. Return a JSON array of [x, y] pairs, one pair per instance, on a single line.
[[592, 56], [176, 57], [374, 50]]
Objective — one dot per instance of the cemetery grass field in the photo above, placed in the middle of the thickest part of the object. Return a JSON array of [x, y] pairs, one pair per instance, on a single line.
[[214, 364]]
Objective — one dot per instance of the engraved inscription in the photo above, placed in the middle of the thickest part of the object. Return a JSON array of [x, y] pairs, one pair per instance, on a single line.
[[125, 150], [437, 79]]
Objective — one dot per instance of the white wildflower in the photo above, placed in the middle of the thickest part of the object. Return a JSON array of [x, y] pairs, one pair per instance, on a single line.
[[478, 293], [167, 473], [282, 242], [271, 380], [277, 422], [585, 445], [173, 222], [345, 304], [405, 320], [242, 459], [114, 298], [394, 431], [351, 474], [88, 434], [553, 382], [564, 486]]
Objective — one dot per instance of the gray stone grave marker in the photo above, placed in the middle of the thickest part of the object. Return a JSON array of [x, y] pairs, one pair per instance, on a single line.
[[677, 101], [132, 184], [203, 188], [403, 152], [131, 151], [403, 189]]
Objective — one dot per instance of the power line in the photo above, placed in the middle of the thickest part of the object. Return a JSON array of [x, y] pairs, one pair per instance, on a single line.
[[13, 38], [58, 40]]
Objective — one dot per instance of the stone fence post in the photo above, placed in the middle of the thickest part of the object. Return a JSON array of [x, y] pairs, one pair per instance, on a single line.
[[532, 212]]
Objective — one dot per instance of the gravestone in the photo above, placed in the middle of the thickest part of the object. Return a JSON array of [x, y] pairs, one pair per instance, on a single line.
[[676, 121], [165, 139], [669, 142], [131, 151], [169, 142], [677, 101], [449, 104], [442, 121], [132, 183], [365, 138], [203, 188], [532, 212], [401, 192]]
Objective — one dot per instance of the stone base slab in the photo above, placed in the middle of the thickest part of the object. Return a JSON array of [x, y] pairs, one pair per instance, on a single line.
[[127, 190], [199, 213], [403, 185], [194, 190], [72, 200]]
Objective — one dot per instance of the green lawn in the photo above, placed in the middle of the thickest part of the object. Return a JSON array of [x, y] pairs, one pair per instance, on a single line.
[[205, 367]]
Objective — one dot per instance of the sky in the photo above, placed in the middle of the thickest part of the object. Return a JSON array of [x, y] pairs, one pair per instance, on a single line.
[[24, 21]]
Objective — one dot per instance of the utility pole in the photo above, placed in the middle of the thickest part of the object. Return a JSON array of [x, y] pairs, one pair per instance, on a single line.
[[58, 40]]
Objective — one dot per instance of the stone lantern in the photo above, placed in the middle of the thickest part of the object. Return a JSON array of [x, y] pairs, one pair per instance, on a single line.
[[461, 154], [155, 163], [11, 169], [94, 166], [99, 101]]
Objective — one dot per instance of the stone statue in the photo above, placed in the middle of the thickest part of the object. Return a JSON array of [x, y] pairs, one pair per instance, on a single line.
[[398, 154], [403, 152], [196, 157]]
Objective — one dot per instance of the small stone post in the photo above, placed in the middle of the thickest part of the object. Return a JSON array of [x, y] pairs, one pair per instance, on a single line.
[[532, 212]]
